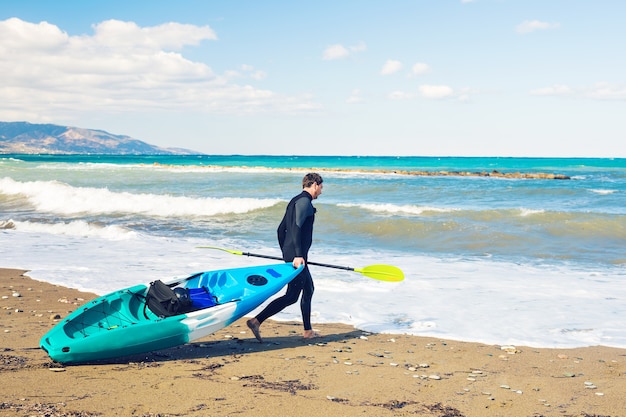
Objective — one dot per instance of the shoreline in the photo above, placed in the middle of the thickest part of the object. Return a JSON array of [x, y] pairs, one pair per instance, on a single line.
[[347, 372]]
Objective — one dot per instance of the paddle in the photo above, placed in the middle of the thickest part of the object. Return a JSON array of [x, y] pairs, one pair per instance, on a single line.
[[387, 273]]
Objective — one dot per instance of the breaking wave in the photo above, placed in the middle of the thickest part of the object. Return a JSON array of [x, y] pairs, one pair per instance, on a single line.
[[61, 198]]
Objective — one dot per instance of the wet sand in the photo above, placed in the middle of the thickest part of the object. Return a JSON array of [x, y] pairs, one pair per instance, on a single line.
[[347, 372]]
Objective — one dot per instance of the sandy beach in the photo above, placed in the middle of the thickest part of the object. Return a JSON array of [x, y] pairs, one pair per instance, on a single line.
[[347, 372]]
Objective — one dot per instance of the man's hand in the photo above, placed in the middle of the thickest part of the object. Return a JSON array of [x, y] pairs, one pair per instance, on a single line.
[[297, 262]]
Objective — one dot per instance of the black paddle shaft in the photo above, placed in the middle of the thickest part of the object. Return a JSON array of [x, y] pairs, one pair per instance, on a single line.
[[345, 268]]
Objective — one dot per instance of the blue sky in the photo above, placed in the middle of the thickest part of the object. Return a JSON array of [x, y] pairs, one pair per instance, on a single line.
[[414, 77]]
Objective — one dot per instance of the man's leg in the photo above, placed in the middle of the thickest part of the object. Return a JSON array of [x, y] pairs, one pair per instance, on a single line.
[[291, 296], [305, 304]]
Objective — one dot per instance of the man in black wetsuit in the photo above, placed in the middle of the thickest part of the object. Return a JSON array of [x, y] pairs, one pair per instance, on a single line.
[[295, 235]]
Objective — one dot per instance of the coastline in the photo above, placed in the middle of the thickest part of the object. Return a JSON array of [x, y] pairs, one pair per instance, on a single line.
[[347, 372]]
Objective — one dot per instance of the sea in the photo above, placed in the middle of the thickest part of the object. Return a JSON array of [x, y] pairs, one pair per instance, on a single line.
[[487, 259]]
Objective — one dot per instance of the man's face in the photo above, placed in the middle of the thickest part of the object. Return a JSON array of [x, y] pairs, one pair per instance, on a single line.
[[317, 190]]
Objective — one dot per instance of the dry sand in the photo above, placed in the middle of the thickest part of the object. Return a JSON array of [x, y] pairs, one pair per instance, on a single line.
[[347, 372]]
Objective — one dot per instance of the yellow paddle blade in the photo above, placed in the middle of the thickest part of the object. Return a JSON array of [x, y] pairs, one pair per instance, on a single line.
[[387, 273]]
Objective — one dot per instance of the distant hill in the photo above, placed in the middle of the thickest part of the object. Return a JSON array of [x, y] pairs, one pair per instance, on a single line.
[[28, 138]]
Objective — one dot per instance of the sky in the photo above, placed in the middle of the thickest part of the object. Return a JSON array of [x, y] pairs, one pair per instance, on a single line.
[[395, 77]]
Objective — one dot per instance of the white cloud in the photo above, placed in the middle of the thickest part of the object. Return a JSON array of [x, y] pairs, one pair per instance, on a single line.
[[116, 33], [121, 67], [16, 33], [419, 68], [607, 91], [360, 47], [400, 95], [529, 26], [246, 71], [334, 52], [338, 51], [391, 67], [436, 91], [355, 97], [598, 91], [555, 90]]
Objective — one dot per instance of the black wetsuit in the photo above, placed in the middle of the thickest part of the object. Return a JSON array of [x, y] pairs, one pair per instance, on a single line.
[[295, 235]]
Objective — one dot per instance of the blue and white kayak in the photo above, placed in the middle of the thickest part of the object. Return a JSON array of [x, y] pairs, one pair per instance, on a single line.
[[127, 321]]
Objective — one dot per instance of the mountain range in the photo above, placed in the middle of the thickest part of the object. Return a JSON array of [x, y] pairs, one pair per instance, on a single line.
[[29, 138]]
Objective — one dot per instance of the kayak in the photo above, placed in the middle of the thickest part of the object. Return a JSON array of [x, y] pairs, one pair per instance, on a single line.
[[163, 314]]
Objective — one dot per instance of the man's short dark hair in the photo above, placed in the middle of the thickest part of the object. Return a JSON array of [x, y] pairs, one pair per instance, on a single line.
[[311, 178]]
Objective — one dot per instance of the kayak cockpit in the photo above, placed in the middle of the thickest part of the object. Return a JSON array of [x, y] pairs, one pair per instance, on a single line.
[[122, 309]]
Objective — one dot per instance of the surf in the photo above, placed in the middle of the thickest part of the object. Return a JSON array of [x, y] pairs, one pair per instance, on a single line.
[[63, 199]]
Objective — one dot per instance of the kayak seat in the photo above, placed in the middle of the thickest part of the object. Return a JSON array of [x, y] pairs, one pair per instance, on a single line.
[[201, 298]]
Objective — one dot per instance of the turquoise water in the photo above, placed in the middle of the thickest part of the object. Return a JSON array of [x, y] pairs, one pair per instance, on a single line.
[[562, 165], [101, 222]]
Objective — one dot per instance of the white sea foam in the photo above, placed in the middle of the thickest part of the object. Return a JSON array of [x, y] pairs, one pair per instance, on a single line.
[[11, 159], [524, 212], [345, 173], [60, 198], [86, 166], [103, 166], [397, 209], [603, 192], [78, 228]]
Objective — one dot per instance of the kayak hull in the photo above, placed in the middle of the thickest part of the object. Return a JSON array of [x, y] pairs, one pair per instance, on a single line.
[[120, 323]]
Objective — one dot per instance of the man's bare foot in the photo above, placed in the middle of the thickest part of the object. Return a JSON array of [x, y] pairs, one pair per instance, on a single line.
[[254, 325], [311, 334]]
